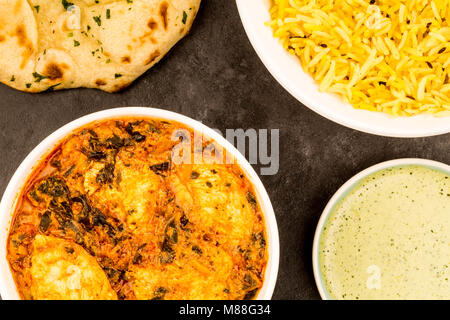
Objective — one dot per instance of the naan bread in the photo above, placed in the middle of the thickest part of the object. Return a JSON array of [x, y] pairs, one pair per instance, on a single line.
[[103, 44], [62, 270]]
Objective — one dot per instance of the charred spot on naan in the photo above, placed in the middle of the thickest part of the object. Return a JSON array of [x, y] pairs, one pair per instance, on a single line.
[[55, 71], [163, 13], [152, 57], [100, 82], [23, 41], [126, 59], [152, 24], [2, 38], [143, 39], [21, 35]]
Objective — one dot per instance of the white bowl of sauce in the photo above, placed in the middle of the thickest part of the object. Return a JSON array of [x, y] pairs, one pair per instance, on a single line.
[[385, 234]]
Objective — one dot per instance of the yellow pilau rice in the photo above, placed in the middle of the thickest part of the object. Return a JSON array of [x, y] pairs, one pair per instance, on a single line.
[[390, 56]]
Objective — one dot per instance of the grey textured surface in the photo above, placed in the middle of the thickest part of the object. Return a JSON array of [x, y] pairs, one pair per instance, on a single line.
[[215, 76]]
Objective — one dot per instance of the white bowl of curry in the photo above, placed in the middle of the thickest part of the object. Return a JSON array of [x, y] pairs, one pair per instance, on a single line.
[[115, 205]]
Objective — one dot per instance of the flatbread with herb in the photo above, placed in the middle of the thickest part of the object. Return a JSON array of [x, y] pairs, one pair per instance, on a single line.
[[103, 44]]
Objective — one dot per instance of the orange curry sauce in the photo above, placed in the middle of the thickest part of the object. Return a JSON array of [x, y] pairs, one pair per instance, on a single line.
[[157, 230]]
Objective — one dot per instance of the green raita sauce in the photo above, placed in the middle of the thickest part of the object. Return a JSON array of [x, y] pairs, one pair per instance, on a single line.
[[389, 238]]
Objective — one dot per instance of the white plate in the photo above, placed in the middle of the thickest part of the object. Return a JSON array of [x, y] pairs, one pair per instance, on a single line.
[[7, 286], [287, 70], [346, 189]]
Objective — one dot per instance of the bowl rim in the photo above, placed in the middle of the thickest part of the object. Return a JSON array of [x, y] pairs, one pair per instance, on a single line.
[[344, 190], [8, 288], [260, 45]]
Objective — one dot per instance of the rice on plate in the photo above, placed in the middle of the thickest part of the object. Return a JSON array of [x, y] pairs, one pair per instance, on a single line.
[[378, 55]]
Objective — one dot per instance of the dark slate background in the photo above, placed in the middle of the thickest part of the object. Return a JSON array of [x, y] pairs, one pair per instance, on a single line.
[[215, 76]]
